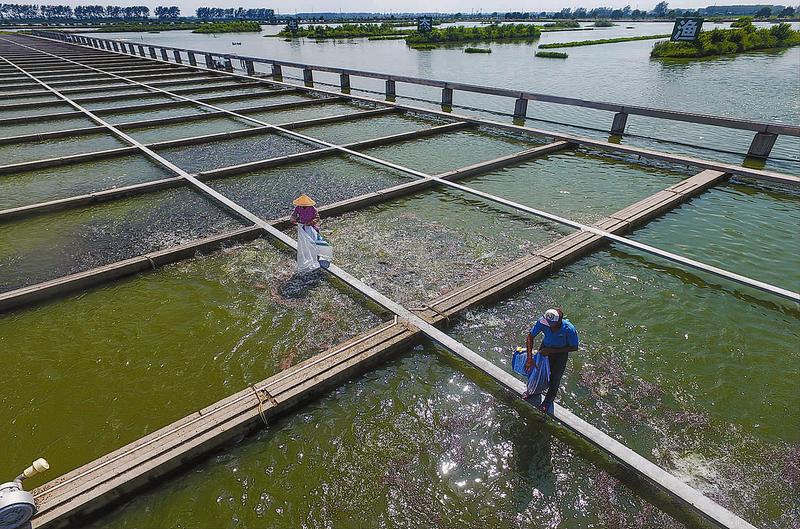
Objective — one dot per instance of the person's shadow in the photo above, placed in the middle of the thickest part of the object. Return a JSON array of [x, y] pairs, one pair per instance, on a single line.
[[299, 285], [532, 462]]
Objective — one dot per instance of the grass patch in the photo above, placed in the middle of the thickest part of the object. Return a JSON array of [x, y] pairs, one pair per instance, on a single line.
[[387, 37], [552, 54], [600, 41], [477, 50], [493, 32], [423, 46], [603, 23], [562, 24], [239, 26], [728, 41]]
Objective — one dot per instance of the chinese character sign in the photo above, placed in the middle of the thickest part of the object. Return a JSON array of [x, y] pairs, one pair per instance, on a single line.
[[424, 24], [292, 23], [686, 29]]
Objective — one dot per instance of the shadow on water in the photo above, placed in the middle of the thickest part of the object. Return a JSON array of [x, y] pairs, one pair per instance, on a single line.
[[299, 284]]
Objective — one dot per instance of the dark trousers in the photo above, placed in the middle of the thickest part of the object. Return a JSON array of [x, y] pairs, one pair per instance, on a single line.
[[558, 364]]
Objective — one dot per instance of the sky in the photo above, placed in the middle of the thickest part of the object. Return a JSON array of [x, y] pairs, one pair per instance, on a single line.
[[450, 6]]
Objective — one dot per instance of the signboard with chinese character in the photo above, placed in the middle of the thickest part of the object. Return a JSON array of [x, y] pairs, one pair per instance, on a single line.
[[292, 23], [686, 29], [424, 24]]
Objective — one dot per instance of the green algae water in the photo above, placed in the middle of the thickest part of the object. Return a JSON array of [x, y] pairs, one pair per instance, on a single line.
[[693, 372]]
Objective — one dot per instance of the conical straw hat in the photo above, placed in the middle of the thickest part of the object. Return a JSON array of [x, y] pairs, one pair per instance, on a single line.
[[303, 200]]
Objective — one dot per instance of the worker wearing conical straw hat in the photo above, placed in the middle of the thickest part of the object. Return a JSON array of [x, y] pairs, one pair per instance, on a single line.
[[304, 212], [313, 251]]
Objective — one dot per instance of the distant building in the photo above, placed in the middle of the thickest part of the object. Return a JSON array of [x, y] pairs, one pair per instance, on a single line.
[[737, 10]]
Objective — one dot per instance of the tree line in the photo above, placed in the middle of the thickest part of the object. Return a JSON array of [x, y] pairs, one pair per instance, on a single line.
[[234, 13], [97, 12], [90, 12], [661, 10]]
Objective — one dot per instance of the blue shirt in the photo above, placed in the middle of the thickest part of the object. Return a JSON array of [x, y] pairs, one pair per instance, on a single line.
[[566, 335]]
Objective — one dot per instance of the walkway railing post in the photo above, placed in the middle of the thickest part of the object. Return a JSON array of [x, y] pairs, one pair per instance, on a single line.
[[308, 76], [391, 89], [192, 58], [344, 82], [177, 55], [762, 145], [164, 54], [209, 61], [114, 44], [277, 74], [152, 52], [620, 120], [249, 67], [228, 64], [447, 98], [521, 108]]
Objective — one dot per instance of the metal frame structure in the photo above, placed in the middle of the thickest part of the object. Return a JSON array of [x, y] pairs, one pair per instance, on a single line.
[[761, 146], [95, 65]]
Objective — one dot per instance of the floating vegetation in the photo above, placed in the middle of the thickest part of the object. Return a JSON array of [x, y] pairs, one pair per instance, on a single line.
[[600, 41], [602, 23], [229, 27], [423, 46], [727, 41], [477, 50], [551, 54]]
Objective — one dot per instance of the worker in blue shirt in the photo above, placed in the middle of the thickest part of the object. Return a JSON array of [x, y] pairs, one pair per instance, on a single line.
[[559, 339]]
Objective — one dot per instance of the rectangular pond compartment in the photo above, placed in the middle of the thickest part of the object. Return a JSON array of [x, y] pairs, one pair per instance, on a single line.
[[223, 153], [50, 183], [56, 147], [49, 246], [444, 152], [136, 354]]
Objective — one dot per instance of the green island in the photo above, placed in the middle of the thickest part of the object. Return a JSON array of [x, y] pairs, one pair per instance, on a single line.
[[561, 24], [423, 46], [599, 41], [477, 50], [602, 23], [239, 26], [493, 32], [728, 41], [346, 31], [387, 37], [552, 54]]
